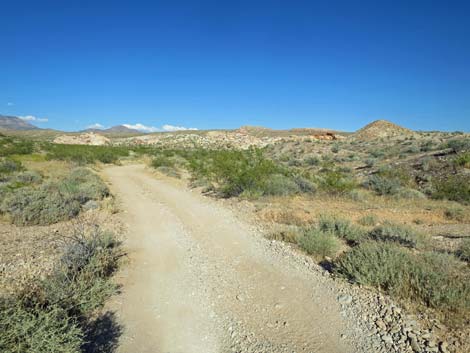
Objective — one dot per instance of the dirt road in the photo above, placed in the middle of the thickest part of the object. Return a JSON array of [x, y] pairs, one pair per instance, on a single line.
[[200, 281]]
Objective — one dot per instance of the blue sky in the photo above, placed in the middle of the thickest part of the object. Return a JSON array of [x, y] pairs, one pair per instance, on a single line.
[[223, 64]]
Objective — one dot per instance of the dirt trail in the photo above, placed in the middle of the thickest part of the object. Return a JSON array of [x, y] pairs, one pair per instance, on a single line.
[[199, 280]]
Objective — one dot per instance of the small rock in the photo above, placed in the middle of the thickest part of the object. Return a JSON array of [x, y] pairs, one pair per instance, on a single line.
[[443, 347], [414, 345], [90, 205], [345, 299], [387, 339]]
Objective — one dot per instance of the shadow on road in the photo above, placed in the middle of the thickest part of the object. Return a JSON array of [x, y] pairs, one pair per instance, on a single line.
[[103, 334]]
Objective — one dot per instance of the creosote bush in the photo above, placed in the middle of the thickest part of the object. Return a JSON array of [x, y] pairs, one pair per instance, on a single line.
[[84, 154]]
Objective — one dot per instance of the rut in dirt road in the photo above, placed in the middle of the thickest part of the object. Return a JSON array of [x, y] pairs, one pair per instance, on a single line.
[[199, 282]]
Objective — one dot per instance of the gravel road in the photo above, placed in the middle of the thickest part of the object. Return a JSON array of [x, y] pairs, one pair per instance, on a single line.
[[200, 279]]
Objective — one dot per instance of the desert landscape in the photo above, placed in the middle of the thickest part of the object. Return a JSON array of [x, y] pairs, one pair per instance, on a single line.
[[245, 240], [235, 176]]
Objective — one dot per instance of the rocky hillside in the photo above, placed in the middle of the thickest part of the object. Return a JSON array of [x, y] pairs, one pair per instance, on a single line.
[[90, 138], [15, 123], [381, 129]]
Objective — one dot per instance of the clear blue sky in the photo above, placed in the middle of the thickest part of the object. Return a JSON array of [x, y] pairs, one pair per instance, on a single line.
[[222, 64]]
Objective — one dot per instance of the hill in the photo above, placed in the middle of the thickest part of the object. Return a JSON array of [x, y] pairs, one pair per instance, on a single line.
[[118, 129], [381, 129], [15, 123]]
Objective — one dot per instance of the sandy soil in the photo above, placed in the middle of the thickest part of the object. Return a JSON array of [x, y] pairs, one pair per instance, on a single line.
[[199, 281]]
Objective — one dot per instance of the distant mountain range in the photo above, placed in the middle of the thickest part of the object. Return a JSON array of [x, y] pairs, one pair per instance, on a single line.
[[118, 129], [15, 123]]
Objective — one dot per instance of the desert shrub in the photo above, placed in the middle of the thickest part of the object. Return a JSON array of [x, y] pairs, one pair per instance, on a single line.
[[427, 146], [462, 160], [11, 146], [358, 195], [288, 233], [294, 162], [370, 162], [336, 182], [335, 149], [26, 329], [84, 154], [28, 177], [459, 144], [464, 250], [279, 184], [454, 187], [392, 232], [8, 166], [312, 160], [236, 172], [412, 149], [317, 242], [377, 154], [408, 193], [83, 185], [53, 201], [45, 205], [52, 315], [382, 185], [454, 213], [342, 228], [368, 220], [436, 280], [305, 185], [162, 161], [171, 172]]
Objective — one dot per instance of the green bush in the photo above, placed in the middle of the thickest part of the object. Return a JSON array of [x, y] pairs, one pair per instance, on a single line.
[[236, 172], [317, 242], [83, 154], [162, 161], [26, 329], [436, 280], [462, 160], [11, 146], [454, 187], [396, 233], [336, 182]]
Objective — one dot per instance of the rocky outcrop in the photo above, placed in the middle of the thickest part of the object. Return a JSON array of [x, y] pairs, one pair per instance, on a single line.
[[90, 138]]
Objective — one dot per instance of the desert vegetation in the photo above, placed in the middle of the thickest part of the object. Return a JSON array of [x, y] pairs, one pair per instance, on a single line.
[[390, 213], [56, 314]]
